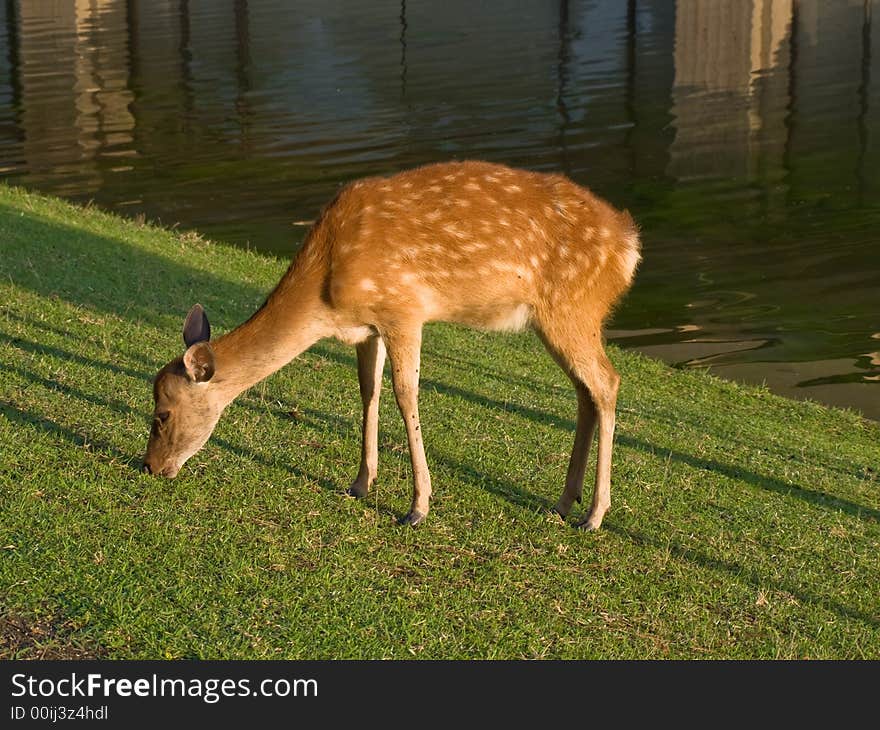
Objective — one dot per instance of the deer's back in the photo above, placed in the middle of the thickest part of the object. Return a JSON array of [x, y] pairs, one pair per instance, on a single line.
[[473, 242]]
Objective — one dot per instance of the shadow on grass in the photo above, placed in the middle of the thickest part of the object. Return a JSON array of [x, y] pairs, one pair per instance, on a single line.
[[813, 496], [742, 573], [325, 483], [242, 452], [35, 348], [505, 377], [80, 440], [512, 493], [108, 274], [44, 639]]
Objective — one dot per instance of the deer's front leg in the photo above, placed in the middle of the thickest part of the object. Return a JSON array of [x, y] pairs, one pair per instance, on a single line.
[[404, 350], [371, 361]]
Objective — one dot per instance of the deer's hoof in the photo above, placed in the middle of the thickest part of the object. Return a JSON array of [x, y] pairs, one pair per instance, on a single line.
[[589, 525], [357, 489], [413, 518]]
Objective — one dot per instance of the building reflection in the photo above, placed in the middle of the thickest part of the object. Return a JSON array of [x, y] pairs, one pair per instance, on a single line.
[[73, 85], [709, 88], [747, 73], [730, 94]]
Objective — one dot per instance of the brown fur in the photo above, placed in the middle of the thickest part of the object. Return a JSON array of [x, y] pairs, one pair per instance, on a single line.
[[470, 242]]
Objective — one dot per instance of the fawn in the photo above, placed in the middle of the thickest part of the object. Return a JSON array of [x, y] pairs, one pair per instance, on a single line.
[[469, 242]]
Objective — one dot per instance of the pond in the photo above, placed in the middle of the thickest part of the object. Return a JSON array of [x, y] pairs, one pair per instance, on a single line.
[[743, 136]]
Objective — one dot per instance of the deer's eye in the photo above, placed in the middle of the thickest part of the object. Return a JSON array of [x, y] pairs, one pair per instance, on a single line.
[[163, 416]]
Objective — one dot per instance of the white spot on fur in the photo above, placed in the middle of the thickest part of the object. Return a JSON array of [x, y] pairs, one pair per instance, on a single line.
[[472, 186], [354, 335], [368, 285], [513, 188], [629, 261], [428, 302], [512, 320], [454, 230]]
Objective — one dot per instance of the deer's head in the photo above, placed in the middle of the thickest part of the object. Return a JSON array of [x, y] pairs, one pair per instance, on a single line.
[[186, 407]]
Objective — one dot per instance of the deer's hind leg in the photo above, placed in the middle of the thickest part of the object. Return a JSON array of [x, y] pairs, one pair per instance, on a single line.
[[580, 352], [371, 361]]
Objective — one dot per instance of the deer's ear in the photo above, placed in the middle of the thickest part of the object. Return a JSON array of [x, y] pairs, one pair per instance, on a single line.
[[196, 328], [199, 362]]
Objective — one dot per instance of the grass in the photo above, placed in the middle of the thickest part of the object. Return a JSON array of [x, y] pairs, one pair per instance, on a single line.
[[743, 525]]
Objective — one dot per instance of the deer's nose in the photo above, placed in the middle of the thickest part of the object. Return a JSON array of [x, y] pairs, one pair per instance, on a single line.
[[146, 468]]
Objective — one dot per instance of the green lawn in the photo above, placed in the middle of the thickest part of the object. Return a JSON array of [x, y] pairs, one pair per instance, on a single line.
[[743, 525]]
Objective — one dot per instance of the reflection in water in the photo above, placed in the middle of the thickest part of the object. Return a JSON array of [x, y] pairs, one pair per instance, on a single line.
[[742, 135], [88, 66], [402, 48], [730, 96]]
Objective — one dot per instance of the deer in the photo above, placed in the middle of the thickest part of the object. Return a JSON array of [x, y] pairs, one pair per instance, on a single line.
[[470, 242]]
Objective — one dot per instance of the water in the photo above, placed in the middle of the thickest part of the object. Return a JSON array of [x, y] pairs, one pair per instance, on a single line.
[[743, 136]]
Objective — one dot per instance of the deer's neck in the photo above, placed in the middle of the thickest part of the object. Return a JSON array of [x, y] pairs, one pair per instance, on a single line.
[[292, 320]]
